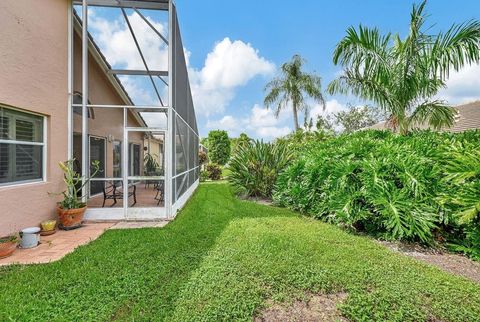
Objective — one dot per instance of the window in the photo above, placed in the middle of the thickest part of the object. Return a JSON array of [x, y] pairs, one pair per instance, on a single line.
[[21, 146], [134, 159]]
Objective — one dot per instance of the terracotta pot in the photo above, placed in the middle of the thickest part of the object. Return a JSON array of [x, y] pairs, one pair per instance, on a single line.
[[7, 248], [71, 218]]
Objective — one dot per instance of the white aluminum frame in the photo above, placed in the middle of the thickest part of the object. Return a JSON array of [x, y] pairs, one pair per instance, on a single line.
[[44, 144], [170, 208]]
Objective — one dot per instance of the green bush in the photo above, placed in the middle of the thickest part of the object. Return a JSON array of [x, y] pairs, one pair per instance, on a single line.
[[203, 176], [214, 171], [391, 186], [255, 166], [218, 147]]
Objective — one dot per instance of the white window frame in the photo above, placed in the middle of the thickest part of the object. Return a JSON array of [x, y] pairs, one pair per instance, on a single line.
[[43, 144]]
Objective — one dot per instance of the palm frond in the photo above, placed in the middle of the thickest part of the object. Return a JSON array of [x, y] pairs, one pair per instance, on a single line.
[[436, 114]]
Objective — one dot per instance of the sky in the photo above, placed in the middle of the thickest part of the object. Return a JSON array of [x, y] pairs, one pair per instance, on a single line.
[[234, 48]]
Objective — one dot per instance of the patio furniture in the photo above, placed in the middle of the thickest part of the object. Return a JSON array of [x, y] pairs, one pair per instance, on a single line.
[[156, 173], [113, 192], [160, 196]]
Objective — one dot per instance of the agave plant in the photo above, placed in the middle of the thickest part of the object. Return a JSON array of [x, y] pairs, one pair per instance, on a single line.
[[255, 167]]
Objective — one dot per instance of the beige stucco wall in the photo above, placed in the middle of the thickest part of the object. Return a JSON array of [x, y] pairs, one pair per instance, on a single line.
[[33, 77]]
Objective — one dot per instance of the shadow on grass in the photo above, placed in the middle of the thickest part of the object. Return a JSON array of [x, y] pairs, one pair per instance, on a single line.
[[126, 274]]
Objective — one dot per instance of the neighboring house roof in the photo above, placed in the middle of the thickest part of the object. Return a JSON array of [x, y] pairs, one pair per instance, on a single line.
[[467, 118]]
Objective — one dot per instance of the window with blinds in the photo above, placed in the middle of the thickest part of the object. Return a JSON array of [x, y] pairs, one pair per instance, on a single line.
[[21, 146]]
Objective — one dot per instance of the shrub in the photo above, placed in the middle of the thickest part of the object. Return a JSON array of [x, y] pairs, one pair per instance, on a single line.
[[202, 157], [218, 147], [394, 187], [203, 176], [214, 171], [255, 167]]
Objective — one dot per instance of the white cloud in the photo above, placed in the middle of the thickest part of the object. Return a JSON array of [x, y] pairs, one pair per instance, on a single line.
[[116, 43], [331, 107], [118, 46], [260, 123], [228, 123], [462, 86], [272, 132], [228, 66], [233, 64]]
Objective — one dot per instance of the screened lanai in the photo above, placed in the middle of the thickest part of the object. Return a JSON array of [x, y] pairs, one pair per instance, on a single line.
[[132, 124]]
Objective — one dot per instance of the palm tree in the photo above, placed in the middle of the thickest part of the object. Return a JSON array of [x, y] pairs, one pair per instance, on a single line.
[[403, 76], [291, 87]]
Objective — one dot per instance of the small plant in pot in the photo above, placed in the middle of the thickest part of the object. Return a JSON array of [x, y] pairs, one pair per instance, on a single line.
[[71, 209], [8, 244]]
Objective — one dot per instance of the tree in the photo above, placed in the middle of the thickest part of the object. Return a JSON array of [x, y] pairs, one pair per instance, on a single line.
[[204, 142], [403, 76], [292, 87], [357, 117], [218, 147], [242, 141], [324, 123]]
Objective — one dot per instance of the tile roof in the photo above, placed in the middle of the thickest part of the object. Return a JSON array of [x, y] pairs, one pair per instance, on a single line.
[[467, 118]]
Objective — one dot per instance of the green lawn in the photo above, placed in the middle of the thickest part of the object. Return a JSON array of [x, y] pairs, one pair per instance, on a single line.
[[220, 260]]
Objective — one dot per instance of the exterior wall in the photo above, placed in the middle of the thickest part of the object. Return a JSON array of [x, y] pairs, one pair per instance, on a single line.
[[33, 77]]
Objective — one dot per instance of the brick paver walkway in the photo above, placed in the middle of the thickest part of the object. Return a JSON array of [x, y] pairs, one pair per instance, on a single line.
[[56, 246]]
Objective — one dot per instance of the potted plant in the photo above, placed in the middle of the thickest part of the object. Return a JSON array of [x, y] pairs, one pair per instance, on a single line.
[[48, 227], [71, 209], [8, 244]]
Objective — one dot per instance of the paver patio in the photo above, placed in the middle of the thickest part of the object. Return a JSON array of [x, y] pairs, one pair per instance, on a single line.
[[56, 246]]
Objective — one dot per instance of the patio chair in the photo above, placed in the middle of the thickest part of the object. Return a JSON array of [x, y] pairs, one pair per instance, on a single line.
[[160, 196], [114, 191]]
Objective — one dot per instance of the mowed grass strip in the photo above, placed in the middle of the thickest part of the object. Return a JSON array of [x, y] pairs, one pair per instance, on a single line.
[[125, 274], [223, 259], [284, 259]]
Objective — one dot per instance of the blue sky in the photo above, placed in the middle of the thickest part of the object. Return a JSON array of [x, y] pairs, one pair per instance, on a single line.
[[235, 47]]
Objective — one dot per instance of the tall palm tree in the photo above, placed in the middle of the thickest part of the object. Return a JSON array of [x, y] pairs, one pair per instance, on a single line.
[[290, 88], [403, 76]]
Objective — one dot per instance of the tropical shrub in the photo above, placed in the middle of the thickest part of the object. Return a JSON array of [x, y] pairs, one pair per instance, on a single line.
[[218, 147], [462, 194], [202, 158], [255, 167], [395, 187], [203, 175], [214, 171]]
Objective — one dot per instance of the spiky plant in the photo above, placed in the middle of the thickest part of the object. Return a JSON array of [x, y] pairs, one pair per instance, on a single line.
[[255, 167]]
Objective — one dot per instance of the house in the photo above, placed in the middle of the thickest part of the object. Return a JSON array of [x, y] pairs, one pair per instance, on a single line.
[[467, 118], [62, 98]]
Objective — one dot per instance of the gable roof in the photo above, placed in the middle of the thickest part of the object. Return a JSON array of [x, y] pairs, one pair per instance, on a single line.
[[467, 118]]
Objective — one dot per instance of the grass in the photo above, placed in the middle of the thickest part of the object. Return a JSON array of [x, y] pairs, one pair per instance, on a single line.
[[220, 260]]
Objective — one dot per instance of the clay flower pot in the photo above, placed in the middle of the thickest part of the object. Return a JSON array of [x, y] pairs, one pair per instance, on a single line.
[[8, 245], [48, 227], [70, 218]]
